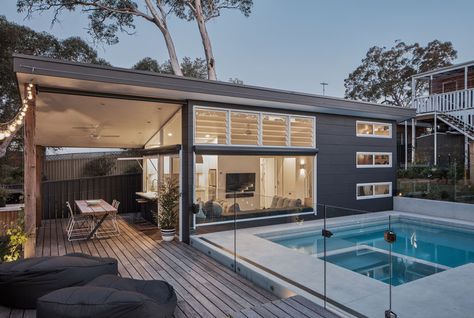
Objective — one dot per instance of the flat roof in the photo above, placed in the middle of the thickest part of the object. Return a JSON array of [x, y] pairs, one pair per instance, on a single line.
[[49, 74], [445, 69]]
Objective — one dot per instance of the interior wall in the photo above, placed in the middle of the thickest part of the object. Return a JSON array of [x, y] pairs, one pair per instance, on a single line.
[[239, 164]]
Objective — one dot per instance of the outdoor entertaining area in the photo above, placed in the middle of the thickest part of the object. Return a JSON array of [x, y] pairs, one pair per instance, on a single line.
[[203, 287]]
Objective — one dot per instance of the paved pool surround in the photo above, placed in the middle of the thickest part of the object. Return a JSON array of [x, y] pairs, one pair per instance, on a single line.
[[285, 271]]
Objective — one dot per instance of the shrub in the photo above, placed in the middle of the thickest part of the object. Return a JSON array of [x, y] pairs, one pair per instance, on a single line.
[[168, 200], [11, 244], [99, 167]]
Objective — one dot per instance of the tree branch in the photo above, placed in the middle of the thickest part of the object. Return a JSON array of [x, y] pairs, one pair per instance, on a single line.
[[95, 4], [4, 145]]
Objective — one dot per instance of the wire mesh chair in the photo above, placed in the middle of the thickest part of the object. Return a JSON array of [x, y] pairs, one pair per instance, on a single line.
[[78, 226]]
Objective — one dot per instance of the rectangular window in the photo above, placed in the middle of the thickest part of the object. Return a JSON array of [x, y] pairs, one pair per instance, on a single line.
[[255, 186], [374, 159], [373, 190], [244, 128], [249, 128], [274, 130], [210, 127], [301, 131], [373, 129]]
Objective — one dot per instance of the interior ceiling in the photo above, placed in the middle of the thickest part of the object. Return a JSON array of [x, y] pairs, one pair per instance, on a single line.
[[64, 120]]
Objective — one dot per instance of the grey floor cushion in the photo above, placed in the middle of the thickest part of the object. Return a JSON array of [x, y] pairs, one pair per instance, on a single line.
[[96, 302], [161, 292], [23, 282]]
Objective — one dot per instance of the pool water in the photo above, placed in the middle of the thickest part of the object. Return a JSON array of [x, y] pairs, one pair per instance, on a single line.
[[421, 249]]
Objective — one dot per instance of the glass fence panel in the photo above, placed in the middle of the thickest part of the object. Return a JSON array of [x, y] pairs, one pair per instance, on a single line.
[[357, 266], [433, 271], [447, 182], [269, 250]]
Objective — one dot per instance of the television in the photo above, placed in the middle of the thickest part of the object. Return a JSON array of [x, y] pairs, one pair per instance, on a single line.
[[240, 182]]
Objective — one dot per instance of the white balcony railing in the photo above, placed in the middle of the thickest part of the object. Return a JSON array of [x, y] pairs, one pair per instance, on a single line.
[[446, 102]]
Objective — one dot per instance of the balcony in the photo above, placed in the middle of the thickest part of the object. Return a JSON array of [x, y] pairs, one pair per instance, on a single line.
[[459, 100]]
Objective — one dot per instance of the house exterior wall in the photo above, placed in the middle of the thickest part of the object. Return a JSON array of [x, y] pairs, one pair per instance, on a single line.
[[453, 82], [337, 174]]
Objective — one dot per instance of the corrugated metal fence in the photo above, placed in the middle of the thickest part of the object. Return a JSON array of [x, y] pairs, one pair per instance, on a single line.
[[121, 187], [71, 166]]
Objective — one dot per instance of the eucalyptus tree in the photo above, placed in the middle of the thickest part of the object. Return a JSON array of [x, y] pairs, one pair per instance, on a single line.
[[202, 11], [109, 17], [385, 73]]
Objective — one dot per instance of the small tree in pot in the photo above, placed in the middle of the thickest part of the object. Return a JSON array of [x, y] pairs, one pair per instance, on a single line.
[[168, 200]]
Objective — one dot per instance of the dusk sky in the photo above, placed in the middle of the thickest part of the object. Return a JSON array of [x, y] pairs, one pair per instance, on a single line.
[[284, 45]]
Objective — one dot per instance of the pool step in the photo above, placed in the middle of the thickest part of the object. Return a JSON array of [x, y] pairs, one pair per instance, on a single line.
[[293, 307]]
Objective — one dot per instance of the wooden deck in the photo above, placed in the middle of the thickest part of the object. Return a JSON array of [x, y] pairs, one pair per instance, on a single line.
[[204, 288]]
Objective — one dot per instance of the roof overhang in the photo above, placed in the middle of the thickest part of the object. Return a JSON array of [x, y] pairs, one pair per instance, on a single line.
[[68, 76], [444, 70]]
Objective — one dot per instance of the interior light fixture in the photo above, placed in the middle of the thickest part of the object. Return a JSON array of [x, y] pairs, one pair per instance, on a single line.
[[170, 134]]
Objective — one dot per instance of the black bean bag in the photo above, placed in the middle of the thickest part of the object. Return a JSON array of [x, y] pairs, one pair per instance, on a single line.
[[97, 302], [23, 282], [161, 292]]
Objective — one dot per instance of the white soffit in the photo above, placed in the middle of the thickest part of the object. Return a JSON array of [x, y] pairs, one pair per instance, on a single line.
[[64, 120]]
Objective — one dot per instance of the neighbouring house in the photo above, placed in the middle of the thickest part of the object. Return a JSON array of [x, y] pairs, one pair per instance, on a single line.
[[443, 130], [253, 151]]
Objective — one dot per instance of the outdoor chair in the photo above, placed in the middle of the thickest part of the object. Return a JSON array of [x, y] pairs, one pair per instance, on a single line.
[[111, 228], [78, 226], [22, 282], [111, 296]]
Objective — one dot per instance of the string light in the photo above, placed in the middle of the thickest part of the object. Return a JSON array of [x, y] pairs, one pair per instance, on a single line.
[[9, 128]]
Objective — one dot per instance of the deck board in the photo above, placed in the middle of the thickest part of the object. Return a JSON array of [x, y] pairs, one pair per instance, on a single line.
[[204, 288]]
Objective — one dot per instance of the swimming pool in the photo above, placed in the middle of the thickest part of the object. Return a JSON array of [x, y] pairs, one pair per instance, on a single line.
[[421, 248]]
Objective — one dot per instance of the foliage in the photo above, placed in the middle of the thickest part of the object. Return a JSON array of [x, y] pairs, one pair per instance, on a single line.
[[11, 245], [103, 24], [191, 68], [4, 194], [235, 80], [210, 9], [385, 73], [99, 167], [134, 168], [148, 64], [168, 201], [454, 171], [15, 38]]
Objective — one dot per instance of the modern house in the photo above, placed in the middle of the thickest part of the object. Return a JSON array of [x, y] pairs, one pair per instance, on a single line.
[[253, 151], [444, 127]]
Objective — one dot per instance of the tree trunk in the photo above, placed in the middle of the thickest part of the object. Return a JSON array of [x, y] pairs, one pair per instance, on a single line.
[[160, 21], [206, 42], [172, 52]]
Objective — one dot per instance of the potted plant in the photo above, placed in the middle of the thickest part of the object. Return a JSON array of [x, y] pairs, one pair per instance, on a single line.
[[4, 194], [168, 201]]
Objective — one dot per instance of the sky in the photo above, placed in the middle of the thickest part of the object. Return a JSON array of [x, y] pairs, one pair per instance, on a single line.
[[292, 45]]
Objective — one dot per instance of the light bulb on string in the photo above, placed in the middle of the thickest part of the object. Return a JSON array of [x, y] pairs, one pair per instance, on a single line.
[[7, 134]]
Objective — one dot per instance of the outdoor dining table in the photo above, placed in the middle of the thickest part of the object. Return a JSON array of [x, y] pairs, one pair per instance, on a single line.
[[100, 210]]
